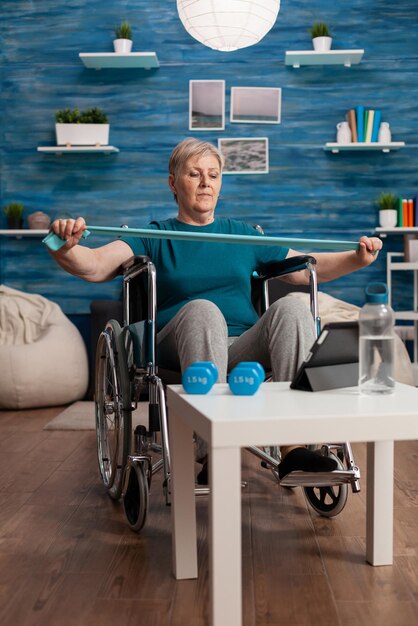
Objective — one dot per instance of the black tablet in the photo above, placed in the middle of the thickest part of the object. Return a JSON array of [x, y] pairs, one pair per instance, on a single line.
[[332, 361]]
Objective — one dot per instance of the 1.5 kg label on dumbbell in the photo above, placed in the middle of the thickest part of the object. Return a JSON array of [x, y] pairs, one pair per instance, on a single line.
[[193, 380], [244, 380]]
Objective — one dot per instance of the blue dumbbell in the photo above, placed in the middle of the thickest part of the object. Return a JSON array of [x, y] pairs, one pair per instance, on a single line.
[[200, 377], [246, 378]]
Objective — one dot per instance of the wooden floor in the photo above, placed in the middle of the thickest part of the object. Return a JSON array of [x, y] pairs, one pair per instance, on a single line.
[[67, 556]]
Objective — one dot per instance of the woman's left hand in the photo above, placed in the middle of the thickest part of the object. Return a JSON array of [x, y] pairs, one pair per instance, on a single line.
[[368, 250]]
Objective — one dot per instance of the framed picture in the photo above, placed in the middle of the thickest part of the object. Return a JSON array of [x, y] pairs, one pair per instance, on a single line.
[[206, 105], [247, 155], [256, 105]]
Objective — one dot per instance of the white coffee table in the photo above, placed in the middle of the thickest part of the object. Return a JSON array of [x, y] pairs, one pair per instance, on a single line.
[[275, 415]]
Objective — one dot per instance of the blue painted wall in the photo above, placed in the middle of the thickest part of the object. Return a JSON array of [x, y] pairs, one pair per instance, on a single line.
[[308, 192]]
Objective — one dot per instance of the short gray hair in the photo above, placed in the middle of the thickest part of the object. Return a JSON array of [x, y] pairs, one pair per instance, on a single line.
[[191, 147]]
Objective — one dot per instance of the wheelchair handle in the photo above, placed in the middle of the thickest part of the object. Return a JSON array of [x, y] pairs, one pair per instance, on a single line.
[[54, 242]]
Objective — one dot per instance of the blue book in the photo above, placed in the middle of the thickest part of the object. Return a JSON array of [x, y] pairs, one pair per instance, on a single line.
[[360, 122], [376, 124]]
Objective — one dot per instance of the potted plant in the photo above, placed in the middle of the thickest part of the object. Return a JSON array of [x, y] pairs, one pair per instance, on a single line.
[[75, 128], [387, 204], [14, 214], [123, 42], [321, 37]]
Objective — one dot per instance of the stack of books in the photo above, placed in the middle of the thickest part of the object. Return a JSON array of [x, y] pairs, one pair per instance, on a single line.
[[364, 124], [407, 212]]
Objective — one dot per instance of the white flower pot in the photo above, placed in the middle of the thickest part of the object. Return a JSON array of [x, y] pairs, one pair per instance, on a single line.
[[322, 44], [82, 134], [122, 46], [38, 220], [388, 218]]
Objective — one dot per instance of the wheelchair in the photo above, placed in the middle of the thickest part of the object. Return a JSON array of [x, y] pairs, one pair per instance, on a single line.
[[126, 373]]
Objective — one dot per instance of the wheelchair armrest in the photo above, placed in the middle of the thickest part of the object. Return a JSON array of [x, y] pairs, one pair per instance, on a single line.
[[132, 263], [287, 266]]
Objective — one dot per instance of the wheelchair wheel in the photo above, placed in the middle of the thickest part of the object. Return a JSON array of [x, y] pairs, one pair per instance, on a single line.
[[328, 501], [113, 412], [136, 495]]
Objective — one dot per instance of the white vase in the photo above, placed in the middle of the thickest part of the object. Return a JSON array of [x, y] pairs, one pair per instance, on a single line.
[[384, 136], [82, 134], [322, 44], [122, 46], [388, 218], [343, 132]]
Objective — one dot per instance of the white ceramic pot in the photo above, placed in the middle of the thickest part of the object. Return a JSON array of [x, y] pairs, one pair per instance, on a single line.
[[322, 44], [122, 46], [388, 218], [385, 135], [343, 132], [82, 134]]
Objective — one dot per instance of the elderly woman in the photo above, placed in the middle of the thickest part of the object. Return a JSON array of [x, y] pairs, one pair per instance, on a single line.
[[204, 301]]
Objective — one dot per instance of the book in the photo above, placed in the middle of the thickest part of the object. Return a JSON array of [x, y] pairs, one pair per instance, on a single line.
[[410, 212], [369, 126], [405, 219], [360, 122], [416, 211], [400, 215], [366, 117], [351, 117], [376, 124]]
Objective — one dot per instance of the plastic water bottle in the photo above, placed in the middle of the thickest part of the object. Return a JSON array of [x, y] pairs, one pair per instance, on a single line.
[[377, 342]]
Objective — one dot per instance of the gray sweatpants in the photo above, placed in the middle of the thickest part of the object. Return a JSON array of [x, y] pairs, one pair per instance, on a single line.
[[279, 340]]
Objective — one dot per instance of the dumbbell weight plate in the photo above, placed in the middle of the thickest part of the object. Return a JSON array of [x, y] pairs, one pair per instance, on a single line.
[[246, 378], [198, 378]]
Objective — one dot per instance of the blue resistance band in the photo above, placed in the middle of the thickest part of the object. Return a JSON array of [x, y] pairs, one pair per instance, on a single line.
[[54, 242]]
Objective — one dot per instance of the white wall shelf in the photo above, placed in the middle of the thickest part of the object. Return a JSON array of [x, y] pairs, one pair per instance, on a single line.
[[347, 58], [68, 149], [397, 230], [383, 147], [113, 60], [23, 232]]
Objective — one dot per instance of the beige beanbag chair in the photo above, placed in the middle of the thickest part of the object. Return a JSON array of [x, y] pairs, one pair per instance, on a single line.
[[333, 310], [43, 359]]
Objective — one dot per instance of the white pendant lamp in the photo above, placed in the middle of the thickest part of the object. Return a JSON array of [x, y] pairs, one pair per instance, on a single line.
[[228, 25]]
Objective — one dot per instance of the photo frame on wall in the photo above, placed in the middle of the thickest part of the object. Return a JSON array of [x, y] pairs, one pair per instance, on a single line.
[[256, 105], [245, 155], [206, 105]]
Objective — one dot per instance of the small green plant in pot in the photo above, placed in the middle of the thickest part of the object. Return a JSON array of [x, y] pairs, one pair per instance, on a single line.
[[86, 128], [387, 203], [14, 213], [321, 37], [123, 38]]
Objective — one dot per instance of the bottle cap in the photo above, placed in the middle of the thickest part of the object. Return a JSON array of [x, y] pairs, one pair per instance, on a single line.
[[376, 293]]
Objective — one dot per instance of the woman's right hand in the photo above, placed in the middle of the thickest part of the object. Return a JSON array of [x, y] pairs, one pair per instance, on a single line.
[[69, 229]]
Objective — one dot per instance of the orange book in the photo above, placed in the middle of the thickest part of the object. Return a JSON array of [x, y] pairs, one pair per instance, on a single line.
[[405, 216], [410, 213]]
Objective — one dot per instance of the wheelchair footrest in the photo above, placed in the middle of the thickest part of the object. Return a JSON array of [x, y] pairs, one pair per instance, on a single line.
[[319, 479]]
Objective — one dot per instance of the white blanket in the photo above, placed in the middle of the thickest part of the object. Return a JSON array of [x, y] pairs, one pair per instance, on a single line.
[[23, 316]]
